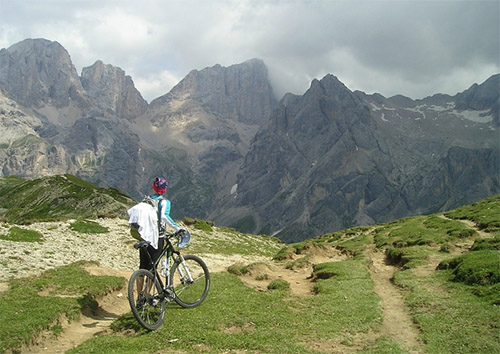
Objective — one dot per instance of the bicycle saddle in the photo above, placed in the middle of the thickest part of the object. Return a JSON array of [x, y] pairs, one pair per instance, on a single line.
[[141, 244]]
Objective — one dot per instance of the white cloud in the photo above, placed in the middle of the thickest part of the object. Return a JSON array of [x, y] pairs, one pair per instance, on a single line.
[[151, 85], [410, 47]]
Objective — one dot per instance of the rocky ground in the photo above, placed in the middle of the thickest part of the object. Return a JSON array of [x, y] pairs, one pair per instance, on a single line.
[[62, 246]]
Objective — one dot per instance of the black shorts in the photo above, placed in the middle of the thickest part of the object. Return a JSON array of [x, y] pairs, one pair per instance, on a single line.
[[155, 254]]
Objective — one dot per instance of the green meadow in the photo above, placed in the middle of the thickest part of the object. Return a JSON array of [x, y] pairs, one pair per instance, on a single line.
[[446, 268]]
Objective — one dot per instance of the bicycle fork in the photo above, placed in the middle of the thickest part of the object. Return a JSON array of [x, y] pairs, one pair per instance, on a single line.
[[184, 272]]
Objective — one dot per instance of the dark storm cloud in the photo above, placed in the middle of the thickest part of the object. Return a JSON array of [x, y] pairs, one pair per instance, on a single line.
[[415, 48]]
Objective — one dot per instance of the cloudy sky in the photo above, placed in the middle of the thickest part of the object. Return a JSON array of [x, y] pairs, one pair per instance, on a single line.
[[410, 47]]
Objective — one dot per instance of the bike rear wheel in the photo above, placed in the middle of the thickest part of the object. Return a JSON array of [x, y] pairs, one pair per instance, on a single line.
[[190, 281], [146, 299]]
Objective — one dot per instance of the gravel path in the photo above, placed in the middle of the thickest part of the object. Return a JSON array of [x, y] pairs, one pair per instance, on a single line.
[[62, 246]]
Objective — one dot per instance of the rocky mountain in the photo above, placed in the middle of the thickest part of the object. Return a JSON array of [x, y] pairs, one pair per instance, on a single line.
[[333, 158], [98, 127], [112, 91], [207, 122], [39, 73], [305, 165]]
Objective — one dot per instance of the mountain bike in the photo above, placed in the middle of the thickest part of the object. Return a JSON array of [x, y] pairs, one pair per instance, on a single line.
[[187, 282]]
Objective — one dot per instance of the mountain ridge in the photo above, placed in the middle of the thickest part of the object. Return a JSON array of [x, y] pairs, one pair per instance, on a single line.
[[328, 158]]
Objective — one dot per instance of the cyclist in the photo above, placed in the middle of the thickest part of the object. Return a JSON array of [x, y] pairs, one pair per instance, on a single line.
[[160, 185]]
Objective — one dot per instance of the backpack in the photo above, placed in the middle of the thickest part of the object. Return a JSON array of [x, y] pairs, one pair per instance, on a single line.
[[155, 203]]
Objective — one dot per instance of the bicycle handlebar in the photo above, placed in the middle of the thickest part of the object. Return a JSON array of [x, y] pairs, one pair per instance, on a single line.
[[144, 243]]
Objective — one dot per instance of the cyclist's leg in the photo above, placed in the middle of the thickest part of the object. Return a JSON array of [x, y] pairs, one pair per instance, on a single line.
[[148, 258], [144, 264]]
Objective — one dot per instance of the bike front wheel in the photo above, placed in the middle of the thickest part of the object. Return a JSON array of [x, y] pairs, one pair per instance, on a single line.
[[146, 299], [190, 281]]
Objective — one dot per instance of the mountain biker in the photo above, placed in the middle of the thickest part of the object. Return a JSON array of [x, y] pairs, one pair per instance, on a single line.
[[160, 185]]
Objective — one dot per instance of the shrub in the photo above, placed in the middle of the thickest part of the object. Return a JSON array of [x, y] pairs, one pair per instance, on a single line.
[[18, 234], [475, 268], [88, 227], [279, 284]]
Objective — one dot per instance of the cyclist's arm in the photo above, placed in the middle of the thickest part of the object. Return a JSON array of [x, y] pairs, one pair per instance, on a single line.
[[165, 214]]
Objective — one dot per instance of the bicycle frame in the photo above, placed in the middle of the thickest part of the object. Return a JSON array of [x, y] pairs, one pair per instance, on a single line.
[[168, 252], [148, 293]]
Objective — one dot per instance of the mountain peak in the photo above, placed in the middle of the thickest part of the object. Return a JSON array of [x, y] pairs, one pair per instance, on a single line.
[[36, 44], [241, 91], [39, 72], [112, 90]]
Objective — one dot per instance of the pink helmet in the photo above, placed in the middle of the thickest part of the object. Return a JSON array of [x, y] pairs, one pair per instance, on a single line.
[[160, 185]]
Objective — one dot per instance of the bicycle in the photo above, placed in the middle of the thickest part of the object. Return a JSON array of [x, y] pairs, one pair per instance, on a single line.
[[187, 282]]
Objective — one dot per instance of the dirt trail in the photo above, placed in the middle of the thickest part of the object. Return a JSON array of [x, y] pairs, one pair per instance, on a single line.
[[299, 278], [397, 323], [110, 308]]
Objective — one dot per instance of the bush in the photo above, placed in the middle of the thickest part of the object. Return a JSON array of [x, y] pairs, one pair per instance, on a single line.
[[279, 284], [18, 234], [88, 227], [475, 268]]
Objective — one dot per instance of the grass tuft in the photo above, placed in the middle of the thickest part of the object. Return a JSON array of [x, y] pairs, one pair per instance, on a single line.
[[88, 227], [18, 234], [278, 284]]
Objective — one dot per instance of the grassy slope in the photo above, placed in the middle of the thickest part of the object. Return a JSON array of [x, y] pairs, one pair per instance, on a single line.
[[453, 301], [452, 315], [24, 312], [57, 198]]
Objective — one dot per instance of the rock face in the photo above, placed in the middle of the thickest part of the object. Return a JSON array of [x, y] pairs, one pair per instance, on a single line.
[[239, 93], [113, 91], [333, 159], [99, 127], [306, 165], [37, 72], [209, 118]]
